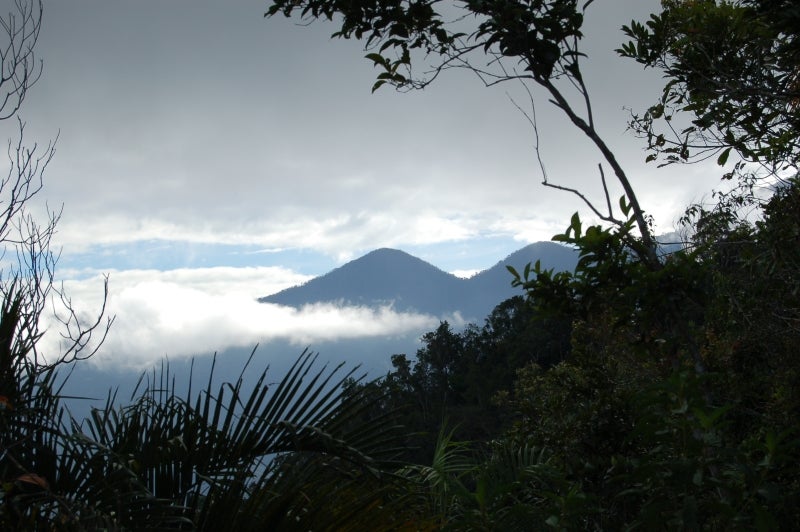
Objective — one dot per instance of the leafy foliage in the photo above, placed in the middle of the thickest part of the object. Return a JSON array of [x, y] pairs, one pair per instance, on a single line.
[[227, 457], [733, 67]]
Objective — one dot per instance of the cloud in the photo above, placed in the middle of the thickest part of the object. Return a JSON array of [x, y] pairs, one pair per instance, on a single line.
[[465, 274], [210, 124], [181, 313]]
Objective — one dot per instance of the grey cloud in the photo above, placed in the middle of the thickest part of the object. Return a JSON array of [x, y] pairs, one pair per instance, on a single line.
[[202, 119]]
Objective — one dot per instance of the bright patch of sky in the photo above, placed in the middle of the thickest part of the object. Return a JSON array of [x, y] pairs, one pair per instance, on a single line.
[[164, 255]]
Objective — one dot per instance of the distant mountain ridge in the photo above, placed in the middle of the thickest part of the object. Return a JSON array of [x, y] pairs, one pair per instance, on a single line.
[[392, 277]]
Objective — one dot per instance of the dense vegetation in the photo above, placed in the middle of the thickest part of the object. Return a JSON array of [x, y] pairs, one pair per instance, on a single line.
[[641, 390], [664, 399]]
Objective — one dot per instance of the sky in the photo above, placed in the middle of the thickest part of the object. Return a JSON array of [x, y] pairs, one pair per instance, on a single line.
[[208, 156]]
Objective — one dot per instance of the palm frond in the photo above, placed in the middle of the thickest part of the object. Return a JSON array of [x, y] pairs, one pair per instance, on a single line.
[[255, 455]]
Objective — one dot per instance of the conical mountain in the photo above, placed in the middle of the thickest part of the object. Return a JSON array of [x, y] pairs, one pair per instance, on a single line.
[[381, 277]]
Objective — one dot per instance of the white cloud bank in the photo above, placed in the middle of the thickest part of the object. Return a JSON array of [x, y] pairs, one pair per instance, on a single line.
[[189, 312]]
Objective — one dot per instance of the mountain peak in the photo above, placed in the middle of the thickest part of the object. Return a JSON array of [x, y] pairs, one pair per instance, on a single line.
[[393, 277], [388, 254], [381, 277]]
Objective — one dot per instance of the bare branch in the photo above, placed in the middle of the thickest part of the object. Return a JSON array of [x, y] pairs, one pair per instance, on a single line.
[[605, 189], [19, 68], [81, 337], [531, 118], [648, 253], [578, 193]]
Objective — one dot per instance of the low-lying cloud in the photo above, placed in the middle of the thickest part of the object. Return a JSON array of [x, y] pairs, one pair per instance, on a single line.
[[188, 312]]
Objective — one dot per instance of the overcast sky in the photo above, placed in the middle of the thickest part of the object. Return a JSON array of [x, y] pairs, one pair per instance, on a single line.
[[199, 140]]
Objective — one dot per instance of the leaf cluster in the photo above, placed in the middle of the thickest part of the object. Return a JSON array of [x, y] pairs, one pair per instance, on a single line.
[[541, 34], [733, 66]]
